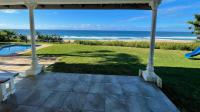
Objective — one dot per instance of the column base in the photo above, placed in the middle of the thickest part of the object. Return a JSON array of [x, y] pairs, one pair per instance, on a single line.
[[151, 77], [34, 70]]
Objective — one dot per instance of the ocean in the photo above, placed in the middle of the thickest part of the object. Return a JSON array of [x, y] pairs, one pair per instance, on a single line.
[[113, 35]]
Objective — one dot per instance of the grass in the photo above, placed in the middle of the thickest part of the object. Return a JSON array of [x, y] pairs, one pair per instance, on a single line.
[[181, 76]]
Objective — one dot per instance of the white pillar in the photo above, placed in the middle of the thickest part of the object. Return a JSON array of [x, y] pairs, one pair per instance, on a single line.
[[35, 67], [148, 74], [150, 65], [31, 8]]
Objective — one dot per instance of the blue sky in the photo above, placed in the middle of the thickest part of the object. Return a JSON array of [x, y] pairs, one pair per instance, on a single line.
[[172, 16]]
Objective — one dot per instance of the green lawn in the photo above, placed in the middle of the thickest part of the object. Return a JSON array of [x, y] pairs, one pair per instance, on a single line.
[[181, 76]]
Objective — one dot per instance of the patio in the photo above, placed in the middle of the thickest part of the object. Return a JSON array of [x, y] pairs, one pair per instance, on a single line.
[[67, 92]]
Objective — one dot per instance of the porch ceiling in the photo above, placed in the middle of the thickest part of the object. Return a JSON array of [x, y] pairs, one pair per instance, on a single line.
[[79, 4]]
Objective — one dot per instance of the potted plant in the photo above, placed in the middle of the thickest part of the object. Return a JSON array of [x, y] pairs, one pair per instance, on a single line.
[[195, 26]]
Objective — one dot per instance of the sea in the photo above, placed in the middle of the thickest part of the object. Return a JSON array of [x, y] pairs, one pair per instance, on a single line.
[[113, 35]]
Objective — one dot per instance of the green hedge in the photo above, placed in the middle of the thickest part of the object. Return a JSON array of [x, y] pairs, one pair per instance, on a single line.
[[143, 44]]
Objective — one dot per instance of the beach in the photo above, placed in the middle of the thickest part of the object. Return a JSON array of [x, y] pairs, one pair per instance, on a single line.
[[157, 40]]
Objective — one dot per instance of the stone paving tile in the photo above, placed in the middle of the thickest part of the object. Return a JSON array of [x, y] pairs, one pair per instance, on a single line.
[[85, 78], [128, 79], [106, 79], [112, 88], [97, 88], [37, 97], [148, 90], [138, 103], [98, 78], [163, 98], [74, 102], [67, 86], [48, 84], [109, 88], [109, 79], [159, 105], [130, 89], [95, 102], [82, 87], [8, 106], [55, 99], [62, 78], [20, 96], [47, 76], [116, 103], [26, 83], [23, 108], [44, 109]]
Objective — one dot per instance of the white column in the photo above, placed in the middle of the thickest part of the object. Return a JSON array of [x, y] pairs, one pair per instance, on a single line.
[[31, 8], [150, 65], [35, 67], [148, 74]]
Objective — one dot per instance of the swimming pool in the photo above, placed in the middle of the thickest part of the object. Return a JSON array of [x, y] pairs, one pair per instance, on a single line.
[[13, 49]]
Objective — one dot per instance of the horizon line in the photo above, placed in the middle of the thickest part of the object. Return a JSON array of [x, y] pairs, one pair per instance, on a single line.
[[93, 30]]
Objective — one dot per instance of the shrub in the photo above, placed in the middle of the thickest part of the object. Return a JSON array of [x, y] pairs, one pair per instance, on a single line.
[[8, 35], [49, 38], [143, 44]]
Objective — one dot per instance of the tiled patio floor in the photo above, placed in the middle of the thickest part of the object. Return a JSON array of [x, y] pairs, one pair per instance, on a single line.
[[61, 92]]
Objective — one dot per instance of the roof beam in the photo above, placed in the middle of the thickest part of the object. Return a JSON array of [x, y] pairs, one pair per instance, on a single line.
[[80, 4]]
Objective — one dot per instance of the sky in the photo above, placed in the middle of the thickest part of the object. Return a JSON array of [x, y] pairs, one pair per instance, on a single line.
[[172, 16]]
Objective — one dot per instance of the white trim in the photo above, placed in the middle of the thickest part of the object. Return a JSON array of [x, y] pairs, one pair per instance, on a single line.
[[22, 2]]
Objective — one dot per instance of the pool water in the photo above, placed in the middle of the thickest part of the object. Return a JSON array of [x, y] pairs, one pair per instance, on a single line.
[[13, 49]]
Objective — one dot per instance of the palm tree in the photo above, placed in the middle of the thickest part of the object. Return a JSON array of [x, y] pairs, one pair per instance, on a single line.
[[195, 26]]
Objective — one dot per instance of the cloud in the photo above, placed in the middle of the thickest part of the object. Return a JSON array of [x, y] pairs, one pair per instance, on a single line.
[[2, 25], [175, 9], [163, 11], [87, 27], [168, 1], [11, 26], [134, 18], [76, 27], [8, 11], [178, 8]]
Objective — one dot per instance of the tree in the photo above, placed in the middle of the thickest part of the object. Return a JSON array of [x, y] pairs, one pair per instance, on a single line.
[[49, 38], [23, 38], [8, 35], [195, 26], [3, 36]]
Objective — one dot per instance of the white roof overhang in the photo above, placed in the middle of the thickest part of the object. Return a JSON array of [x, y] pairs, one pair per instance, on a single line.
[[79, 4]]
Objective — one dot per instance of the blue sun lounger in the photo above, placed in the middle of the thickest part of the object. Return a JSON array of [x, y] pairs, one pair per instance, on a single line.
[[193, 53]]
